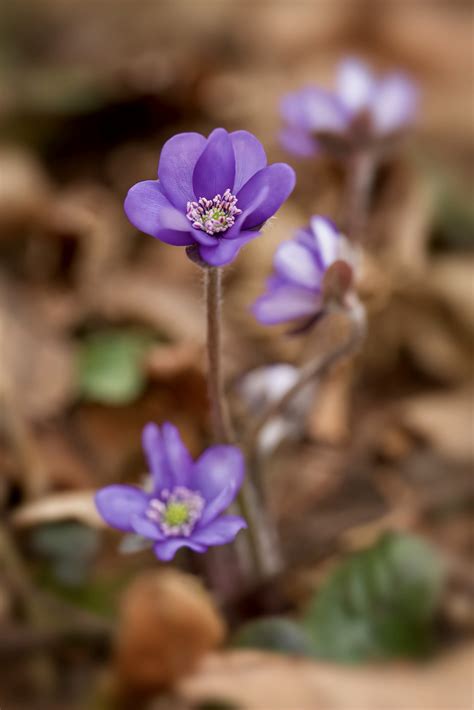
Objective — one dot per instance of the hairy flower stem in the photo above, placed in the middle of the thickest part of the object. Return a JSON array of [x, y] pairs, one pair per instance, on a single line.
[[220, 416], [260, 538], [315, 369], [360, 171]]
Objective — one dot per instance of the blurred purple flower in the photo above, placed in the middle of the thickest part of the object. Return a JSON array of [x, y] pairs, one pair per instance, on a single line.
[[295, 290], [212, 194], [361, 109], [265, 385], [185, 504]]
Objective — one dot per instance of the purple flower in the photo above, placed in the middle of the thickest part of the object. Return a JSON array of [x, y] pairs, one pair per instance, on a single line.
[[212, 194], [360, 109], [295, 290], [185, 504], [264, 386]]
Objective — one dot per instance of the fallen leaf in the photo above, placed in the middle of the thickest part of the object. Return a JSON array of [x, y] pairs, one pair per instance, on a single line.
[[256, 680], [169, 360], [41, 385], [445, 420], [167, 623], [24, 190], [136, 295], [77, 505]]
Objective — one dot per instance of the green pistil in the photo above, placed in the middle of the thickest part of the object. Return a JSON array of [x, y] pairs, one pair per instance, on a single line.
[[176, 514]]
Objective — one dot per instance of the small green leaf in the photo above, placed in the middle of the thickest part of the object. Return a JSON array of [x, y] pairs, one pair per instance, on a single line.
[[111, 366], [70, 549], [274, 634], [379, 603]]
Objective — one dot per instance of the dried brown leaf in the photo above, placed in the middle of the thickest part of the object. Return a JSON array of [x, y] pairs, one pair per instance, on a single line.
[[257, 681], [445, 420], [167, 623], [77, 505]]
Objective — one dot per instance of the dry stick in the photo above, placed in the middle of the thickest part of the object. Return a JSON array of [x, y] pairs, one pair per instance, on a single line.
[[312, 370], [259, 537]]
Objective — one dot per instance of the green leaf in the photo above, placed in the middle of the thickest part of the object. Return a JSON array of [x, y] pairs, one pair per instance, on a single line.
[[379, 603], [274, 634], [70, 549], [111, 366]]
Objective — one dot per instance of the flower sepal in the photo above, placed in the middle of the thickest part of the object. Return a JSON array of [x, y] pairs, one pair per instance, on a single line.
[[338, 282]]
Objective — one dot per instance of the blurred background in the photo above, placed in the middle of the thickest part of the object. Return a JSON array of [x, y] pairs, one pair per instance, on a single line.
[[101, 330]]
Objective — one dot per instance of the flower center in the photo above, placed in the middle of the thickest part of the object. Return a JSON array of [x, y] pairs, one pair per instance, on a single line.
[[213, 216], [176, 512]]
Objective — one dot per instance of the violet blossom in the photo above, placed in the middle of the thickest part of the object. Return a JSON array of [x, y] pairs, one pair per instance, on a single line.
[[361, 110], [295, 292], [186, 501], [264, 386], [212, 194]]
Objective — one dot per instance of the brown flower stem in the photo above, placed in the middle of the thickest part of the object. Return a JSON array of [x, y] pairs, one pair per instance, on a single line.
[[259, 537], [221, 422], [360, 172], [315, 369]]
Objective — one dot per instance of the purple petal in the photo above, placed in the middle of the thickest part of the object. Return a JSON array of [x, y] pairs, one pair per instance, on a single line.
[[226, 249], [355, 85], [178, 457], [220, 531], [218, 467], [294, 262], [258, 199], [171, 218], [292, 109], [298, 141], [249, 157], [174, 237], [218, 475], [327, 240], [167, 549], [284, 304], [174, 229], [143, 204], [280, 180], [314, 109], [215, 170], [146, 528], [177, 161], [119, 504], [154, 449], [218, 505], [394, 103], [204, 238]]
